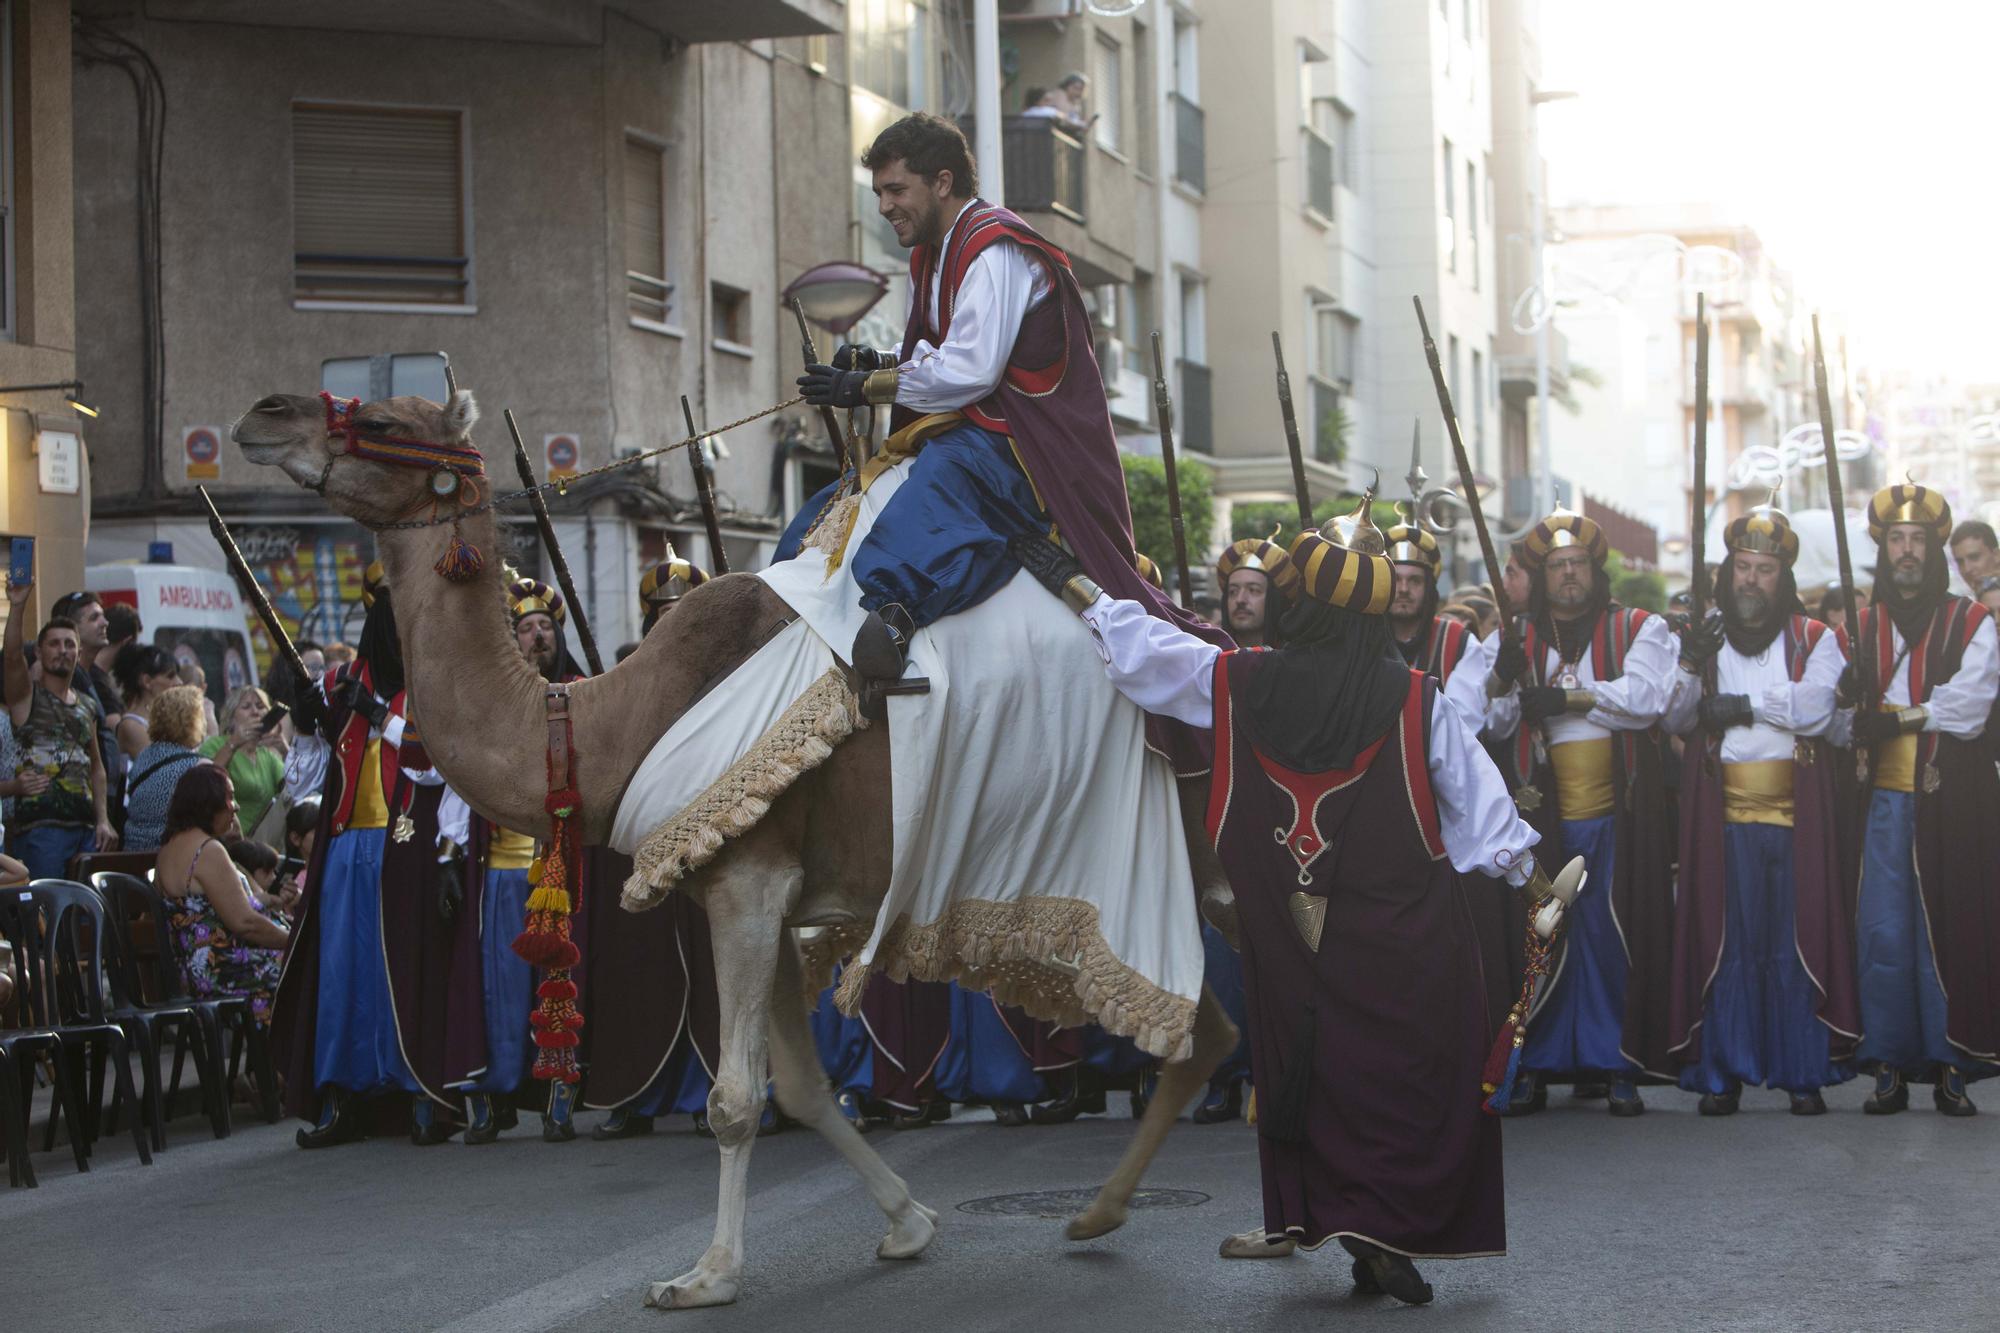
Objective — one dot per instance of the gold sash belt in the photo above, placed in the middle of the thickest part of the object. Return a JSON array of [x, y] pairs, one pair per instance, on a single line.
[[1758, 792], [1584, 788]]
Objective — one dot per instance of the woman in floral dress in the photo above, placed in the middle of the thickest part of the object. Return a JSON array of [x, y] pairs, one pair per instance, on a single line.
[[228, 942]]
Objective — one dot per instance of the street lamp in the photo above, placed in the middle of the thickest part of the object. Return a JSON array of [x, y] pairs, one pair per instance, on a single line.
[[835, 296], [1544, 466], [73, 394]]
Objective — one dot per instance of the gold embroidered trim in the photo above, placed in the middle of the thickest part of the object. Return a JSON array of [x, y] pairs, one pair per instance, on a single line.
[[799, 741], [1046, 955]]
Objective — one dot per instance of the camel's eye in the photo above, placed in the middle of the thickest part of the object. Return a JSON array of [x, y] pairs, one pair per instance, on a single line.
[[376, 424]]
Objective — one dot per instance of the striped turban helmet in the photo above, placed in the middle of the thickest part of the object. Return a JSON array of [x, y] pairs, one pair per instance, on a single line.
[[1409, 544], [667, 582], [1909, 503], [1764, 530], [1148, 570], [1345, 563], [527, 597], [1560, 529], [1264, 556]]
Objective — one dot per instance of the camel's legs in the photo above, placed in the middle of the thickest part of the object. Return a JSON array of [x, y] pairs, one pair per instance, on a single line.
[[803, 1095], [1214, 1038], [746, 903]]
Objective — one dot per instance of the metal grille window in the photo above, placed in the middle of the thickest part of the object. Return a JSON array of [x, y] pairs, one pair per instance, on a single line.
[[648, 294], [378, 205]]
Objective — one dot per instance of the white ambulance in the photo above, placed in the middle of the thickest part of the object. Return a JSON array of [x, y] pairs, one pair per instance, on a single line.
[[195, 614]]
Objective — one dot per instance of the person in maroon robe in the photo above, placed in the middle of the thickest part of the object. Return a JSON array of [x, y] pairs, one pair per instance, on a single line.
[[1347, 800]]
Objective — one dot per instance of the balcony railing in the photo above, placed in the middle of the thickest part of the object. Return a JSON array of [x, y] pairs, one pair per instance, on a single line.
[[1319, 172], [1197, 409], [1044, 165], [1190, 143]]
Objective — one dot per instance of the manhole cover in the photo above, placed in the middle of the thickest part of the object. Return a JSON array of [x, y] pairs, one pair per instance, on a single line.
[[1068, 1203]]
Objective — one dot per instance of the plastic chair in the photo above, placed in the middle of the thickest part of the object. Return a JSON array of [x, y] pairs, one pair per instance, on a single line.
[[151, 1003], [32, 930], [14, 1123], [77, 991], [123, 895]]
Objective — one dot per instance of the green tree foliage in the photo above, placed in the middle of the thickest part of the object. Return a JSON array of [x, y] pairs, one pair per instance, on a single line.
[[1146, 489], [1635, 587]]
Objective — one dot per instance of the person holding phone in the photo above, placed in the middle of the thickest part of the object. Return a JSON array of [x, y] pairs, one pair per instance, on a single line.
[[252, 750], [55, 725]]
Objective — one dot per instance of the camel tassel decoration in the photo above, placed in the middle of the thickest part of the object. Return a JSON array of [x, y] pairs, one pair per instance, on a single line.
[[545, 939]]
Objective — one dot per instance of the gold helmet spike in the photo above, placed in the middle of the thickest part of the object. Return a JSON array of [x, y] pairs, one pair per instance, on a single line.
[[1357, 531]]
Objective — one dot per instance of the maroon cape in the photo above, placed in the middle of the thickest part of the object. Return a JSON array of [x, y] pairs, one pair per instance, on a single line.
[[1366, 1053], [1957, 833], [1051, 402], [1822, 924]]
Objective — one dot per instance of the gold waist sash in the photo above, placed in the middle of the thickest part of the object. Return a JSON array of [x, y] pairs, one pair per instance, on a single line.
[[509, 850], [371, 807], [1896, 764], [1583, 778], [1758, 792]]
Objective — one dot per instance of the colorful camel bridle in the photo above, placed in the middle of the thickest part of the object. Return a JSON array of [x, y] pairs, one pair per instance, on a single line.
[[456, 473]]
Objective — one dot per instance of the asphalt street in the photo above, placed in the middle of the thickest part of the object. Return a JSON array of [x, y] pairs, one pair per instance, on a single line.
[[1669, 1221]]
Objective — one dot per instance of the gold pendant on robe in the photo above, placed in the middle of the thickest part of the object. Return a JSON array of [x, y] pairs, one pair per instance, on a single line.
[[1802, 750], [1932, 779], [1527, 798], [1309, 916], [406, 828]]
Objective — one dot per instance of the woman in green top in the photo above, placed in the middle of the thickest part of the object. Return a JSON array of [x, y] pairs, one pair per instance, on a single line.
[[254, 759]]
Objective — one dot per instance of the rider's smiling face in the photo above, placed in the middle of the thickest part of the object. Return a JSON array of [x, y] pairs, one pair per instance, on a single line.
[[915, 207]]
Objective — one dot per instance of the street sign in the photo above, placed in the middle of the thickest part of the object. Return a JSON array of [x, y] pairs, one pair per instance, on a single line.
[[201, 450], [59, 455], [562, 452]]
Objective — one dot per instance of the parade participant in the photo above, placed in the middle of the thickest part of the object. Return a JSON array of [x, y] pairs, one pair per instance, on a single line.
[[1928, 953], [333, 1028], [997, 407], [1429, 642], [652, 1028], [1763, 981], [1244, 570], [1368, 1023], [1579, 691]]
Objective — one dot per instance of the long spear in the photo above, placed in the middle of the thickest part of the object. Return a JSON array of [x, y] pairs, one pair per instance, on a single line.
[[1698, 531], [281, 642], [1836, 500], [1464, 461], [1292, 437], [811, 354], [1164, 407], [704, 487], [549, 543]]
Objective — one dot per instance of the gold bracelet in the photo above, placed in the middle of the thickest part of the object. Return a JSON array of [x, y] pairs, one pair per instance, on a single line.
[[1578, 702], [880, 386], [1080, 591]]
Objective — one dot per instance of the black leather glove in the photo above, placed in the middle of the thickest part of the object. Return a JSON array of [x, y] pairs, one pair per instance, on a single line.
[[1510, 661], [1872, 725], [1845, 692], [1539, 703], [309, 710], [1702, 642], [825, 386], [449, 880], [854, 356], [1050, 564], [1719, 712], [352, 695]]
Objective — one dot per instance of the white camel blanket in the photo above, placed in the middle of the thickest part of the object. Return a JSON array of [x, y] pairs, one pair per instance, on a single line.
[[1038, 845]]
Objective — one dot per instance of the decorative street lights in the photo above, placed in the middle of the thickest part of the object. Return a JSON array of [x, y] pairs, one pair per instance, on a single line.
[[836, 295]]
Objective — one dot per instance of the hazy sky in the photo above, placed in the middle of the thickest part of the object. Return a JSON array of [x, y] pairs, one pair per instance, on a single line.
[[1858, 139]]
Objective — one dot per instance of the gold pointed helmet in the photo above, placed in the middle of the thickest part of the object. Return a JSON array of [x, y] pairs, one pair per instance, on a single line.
[[669, 581], [1765, 530], [1564, 528], [1909, 503], [1345, 563]]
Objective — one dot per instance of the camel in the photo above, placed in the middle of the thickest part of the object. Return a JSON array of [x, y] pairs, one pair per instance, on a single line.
[[820, 858]]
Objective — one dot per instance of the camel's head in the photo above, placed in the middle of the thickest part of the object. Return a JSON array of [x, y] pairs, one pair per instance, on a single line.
[[378, 463]]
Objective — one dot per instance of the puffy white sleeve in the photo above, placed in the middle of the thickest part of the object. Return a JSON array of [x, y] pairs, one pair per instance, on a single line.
[[1805, 707], [1483, 833], [1638, 698], [1500, 717], [454, 819], [1158, 666], [1960, 706], [1001, 285], [305, 767], [1683, 703]]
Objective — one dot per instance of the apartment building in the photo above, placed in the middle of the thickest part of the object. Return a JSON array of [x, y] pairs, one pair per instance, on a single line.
[[591, 205]]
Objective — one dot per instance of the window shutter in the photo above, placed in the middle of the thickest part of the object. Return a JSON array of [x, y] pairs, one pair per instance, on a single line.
[[647, 291], [378, 204]]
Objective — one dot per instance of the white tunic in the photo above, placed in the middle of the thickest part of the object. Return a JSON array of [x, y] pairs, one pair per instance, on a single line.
[[1633, 702], [1168, 671], [1002, 284], [1783, 709]]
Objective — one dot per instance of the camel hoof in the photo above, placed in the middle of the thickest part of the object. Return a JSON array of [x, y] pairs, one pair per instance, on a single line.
[[909, 1234], [1100, 1219], [691, 1291]]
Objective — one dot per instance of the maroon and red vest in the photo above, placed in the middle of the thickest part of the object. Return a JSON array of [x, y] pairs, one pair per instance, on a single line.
[[1444, 648], [1609, 643], [350, 746], [1931, 660]]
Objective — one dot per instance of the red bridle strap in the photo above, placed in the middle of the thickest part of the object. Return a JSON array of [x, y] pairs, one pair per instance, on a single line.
[[401, 450]]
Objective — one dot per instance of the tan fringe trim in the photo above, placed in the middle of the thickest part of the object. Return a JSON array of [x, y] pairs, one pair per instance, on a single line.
[[830, 534], [799, 741], [822, 949], [1046, 955]]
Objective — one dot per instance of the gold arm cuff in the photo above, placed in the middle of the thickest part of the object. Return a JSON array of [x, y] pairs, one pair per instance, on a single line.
[[1538, 888], [1578, 702], [880, 386], [1080, 592], [1911, 720]]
